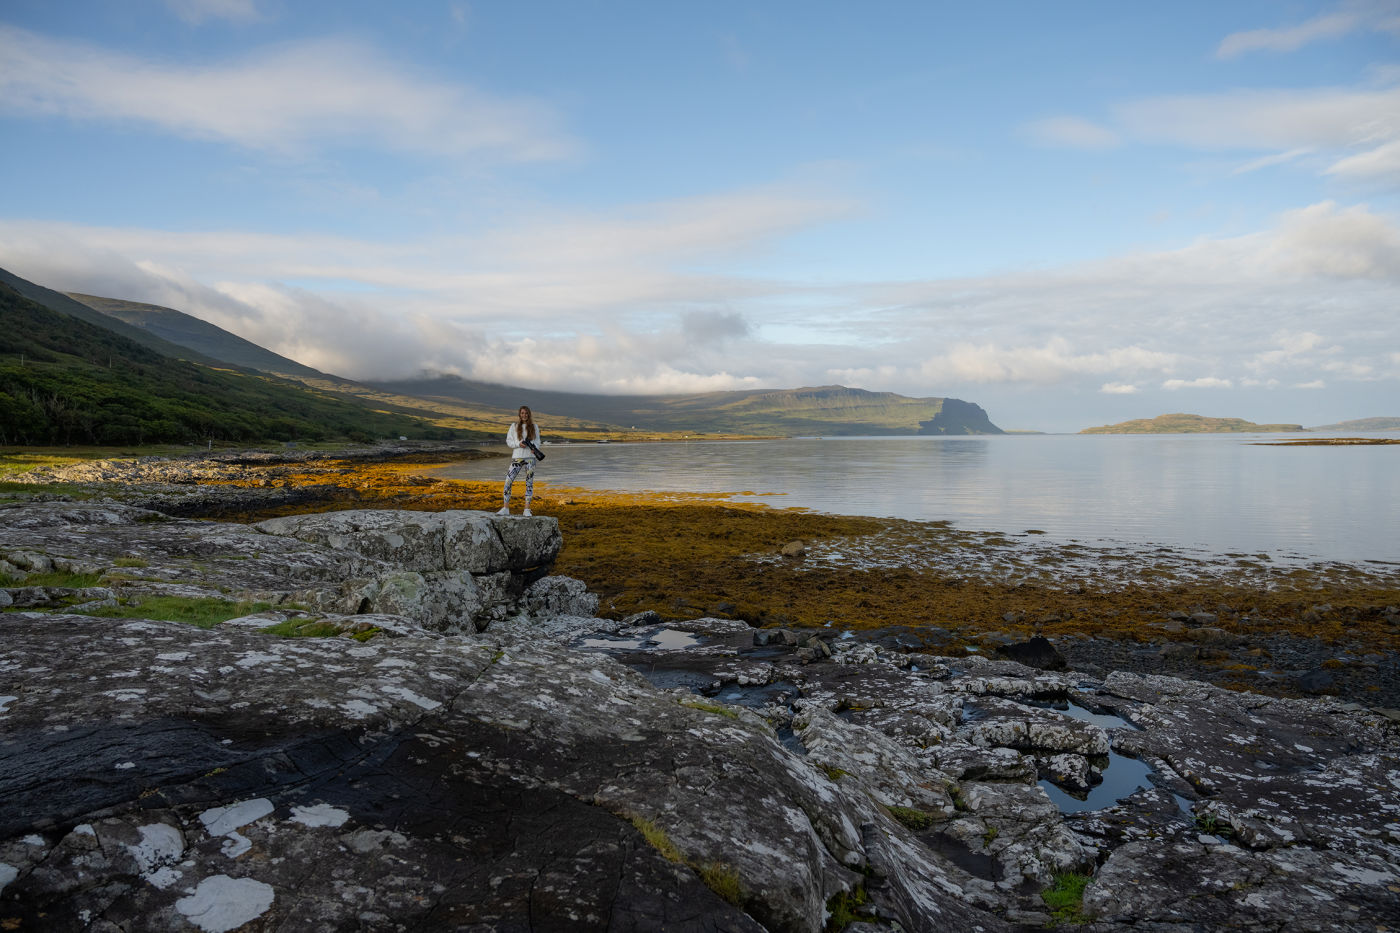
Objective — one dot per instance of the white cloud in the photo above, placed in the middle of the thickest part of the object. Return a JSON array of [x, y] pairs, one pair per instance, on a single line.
[[1280, 158], [1204, 382], [1351, 133], [1354, 369], [1290, 347], [1379, 163], [611, 303], [1315, 384], [1072, 133], [1266, 119], [198, 11], [1323, 240], [1329, 26], [1052, 362], [288, 99]]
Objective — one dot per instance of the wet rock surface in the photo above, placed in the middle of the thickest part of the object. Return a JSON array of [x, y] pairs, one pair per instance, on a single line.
[[496, 757]]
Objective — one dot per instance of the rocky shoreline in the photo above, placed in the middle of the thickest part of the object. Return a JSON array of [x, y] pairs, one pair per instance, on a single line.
[[1244, 621], [467, 744]]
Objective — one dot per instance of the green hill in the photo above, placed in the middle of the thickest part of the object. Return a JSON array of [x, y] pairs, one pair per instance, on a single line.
[[62, 304], [188, 331], [67, 381], [1362, 424], [1181, 423], [829, 410]]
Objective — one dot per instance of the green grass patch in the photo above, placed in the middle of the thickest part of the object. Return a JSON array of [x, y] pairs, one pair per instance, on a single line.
[[1065, 897], [201, 612], [723, 880], [717, 876], [304, 628], [56, 578], [23, 459], [656, 838], [1214, 825], [711, 708], [321, 628], [846, 908], [130, 562], [833, 773], [912, 818]]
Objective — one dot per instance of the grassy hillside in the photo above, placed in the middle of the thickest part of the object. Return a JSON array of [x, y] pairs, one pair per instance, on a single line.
[[830, 410], [66, 381], [1362, 424], [1181, 423], [188, 331], [62, 304]]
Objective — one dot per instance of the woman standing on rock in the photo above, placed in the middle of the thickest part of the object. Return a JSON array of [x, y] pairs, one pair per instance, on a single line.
[[524, 439]]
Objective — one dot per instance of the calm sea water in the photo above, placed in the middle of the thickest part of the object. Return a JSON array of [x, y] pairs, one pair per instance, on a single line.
[[1217, 493]]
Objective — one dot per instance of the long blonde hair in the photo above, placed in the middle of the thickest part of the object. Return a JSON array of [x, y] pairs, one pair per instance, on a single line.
[[520, 431]]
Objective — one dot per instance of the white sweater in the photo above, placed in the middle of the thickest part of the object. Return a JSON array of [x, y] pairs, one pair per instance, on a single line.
[[519, 450]]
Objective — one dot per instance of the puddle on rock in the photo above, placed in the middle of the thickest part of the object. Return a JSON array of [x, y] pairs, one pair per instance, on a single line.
[[977, 864], [1074, 710], [1122, 778], [756, 696], [791, 741], [614, 643], [665, 639], [669, 639]]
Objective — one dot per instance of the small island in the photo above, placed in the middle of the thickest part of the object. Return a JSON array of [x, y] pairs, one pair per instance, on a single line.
[[1181, 423]]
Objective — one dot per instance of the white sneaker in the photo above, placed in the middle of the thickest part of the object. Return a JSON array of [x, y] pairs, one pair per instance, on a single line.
[[527, 513], [503, 510]]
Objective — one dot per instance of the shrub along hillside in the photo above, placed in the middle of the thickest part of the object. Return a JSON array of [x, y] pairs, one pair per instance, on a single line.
[[65, 381]]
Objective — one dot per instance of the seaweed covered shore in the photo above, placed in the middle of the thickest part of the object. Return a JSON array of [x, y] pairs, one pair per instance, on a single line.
[[1244, 621]]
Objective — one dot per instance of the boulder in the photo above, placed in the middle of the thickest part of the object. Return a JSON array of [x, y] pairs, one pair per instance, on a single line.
[[450, 572], [1035, 652], [471, 542]]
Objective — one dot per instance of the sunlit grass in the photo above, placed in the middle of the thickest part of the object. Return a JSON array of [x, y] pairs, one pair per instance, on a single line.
[[201, 612]]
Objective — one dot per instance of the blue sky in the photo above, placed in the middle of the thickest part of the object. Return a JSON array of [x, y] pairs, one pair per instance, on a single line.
[[1071, 213]]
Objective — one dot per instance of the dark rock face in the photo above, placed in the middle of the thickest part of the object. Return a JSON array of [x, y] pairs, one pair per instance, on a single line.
[[959, 417], [1035, 652], [533, 767]]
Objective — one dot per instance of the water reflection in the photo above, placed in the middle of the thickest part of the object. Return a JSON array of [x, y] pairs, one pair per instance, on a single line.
[[1122, 778], [1220, 493]]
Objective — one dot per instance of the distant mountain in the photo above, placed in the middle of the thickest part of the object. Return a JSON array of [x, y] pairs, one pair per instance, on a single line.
[[1362, 424], [1191, 424], [188, 331], [827, 410], [64, 380], [480, 406]]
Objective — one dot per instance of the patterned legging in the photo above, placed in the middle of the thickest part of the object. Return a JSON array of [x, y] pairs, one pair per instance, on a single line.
[[515, 467]]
